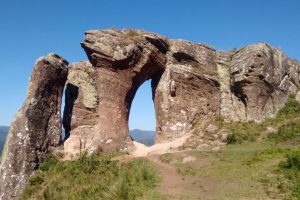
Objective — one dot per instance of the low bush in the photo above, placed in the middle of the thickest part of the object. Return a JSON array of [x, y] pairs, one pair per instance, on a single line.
[[286, 132], [291, 168], [292, 160]]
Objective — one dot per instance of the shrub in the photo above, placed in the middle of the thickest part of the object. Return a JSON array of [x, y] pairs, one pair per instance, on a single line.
[[291, 168], [292, 160], [291, 108], [36, 180], [286, 132], [231, 139], [240, 132]]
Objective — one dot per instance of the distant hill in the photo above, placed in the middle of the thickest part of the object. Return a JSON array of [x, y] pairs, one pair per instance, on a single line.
[[3, 133], [145, 137]]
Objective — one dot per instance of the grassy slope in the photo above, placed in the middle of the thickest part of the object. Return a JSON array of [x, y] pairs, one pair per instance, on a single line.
[[240, 171], [289, 115], [257, 164]]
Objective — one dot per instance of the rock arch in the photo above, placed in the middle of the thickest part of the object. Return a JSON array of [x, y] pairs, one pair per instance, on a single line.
[[183, 79], [121, 62], [191, 85]]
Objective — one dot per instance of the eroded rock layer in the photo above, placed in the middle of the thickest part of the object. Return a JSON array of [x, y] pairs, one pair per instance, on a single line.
[[192, 84], [188, 91], [122, 61], [36, 129], [255, 82]]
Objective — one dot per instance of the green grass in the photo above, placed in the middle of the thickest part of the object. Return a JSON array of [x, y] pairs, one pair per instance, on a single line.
[[247, 168], [259, 159], [239, 171], [287, 131], [93, 177], [287, 121], [291, 168], [263, 155]]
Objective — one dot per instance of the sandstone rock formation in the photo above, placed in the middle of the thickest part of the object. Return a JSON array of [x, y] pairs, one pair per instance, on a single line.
[[36, 129], [80, 112], [192, 84], [188, 93], [122, 61], [255, 82]]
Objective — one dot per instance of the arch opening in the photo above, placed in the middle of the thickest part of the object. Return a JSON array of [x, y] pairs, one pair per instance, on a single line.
[[142, 119]]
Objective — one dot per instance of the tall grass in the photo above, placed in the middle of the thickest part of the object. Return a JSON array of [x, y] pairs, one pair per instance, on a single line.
[[92, 177]]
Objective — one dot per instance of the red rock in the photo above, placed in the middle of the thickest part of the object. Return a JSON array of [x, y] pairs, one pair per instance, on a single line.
[[36, 129]]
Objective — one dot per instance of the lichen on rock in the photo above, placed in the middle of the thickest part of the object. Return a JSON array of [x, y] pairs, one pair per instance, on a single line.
[[36, 129], [192, 85]]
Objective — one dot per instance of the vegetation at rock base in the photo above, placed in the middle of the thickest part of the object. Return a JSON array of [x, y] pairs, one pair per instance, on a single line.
[[262, 161], [287, 122], [92, 177], [258, 163], [291, 168]]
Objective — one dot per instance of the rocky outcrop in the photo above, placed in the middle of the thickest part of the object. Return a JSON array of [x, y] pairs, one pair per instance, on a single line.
[[192, 84], [255, 82], [188, 93], [294, 72], [36, 129]]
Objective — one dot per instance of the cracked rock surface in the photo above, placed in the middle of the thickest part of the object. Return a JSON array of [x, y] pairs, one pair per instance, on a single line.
[[36, 128], [192, 84]]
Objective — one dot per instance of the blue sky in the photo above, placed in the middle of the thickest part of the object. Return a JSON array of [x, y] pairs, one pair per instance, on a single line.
[[32, 28]]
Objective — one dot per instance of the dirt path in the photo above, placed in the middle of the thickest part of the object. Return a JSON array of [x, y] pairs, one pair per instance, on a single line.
[[216, 176], [178, 187], [173, 185]]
